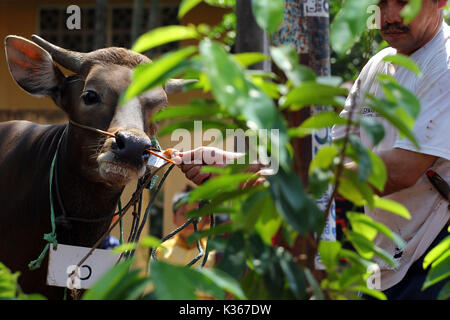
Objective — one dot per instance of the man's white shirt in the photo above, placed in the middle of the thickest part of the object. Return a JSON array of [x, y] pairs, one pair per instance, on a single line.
[[429, 210]]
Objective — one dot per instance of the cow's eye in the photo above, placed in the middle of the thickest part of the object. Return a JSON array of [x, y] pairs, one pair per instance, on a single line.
[[90, 97]]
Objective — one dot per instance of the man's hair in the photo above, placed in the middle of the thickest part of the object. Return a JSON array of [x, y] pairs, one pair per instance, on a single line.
[[181, 198]]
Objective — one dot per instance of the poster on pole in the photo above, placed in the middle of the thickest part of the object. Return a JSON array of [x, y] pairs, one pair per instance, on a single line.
[[316, 8], [321, 138]]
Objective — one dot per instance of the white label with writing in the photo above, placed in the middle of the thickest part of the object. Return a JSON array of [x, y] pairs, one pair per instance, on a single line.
[[155, 161], [316, 8], [63, 270]]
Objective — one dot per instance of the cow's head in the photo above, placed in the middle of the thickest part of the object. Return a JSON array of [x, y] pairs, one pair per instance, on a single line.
[[90, 97]]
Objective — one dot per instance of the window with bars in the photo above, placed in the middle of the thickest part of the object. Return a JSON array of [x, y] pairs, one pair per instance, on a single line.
[[52, 25]]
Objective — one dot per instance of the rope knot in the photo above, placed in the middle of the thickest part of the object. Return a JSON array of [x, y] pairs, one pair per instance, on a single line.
[[51, 238]]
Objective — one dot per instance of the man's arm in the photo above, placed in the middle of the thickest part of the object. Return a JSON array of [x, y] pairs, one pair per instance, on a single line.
[[403, 168]]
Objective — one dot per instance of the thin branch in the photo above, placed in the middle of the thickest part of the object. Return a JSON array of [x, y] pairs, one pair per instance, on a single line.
[[340, 167]]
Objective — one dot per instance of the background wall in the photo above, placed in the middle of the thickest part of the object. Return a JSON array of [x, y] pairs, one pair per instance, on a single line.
[[23, 18]]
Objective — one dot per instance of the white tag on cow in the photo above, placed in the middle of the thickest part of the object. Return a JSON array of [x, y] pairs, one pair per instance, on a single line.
[[63, 262], [155, 161]]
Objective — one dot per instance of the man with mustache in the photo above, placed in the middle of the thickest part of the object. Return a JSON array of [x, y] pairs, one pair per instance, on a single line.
[[426, 40]]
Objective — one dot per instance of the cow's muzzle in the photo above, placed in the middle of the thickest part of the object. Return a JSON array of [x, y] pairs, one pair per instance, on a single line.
[[124, 157]]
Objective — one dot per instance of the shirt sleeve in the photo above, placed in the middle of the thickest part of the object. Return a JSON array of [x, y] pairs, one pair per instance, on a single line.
[[432, 126]]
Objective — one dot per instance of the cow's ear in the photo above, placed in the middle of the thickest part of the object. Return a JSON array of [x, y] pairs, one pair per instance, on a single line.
[[32, 67]]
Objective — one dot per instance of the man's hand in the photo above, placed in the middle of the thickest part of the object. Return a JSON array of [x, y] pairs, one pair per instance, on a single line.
[[192, 161]]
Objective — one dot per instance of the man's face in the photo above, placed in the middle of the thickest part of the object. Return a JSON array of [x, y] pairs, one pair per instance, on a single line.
[[408, 38]]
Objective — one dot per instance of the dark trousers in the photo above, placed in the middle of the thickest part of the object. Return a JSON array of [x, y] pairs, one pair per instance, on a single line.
[[410, 287]]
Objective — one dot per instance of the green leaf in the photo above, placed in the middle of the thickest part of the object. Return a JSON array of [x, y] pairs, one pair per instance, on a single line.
[[269, 221], [240, 96], [313, 93], [125, 247], [367, 249], [217, 185], [233, 261], [193, 110], [362, 158], [224, 281], [319, 181], [350, 191], [318, 294], [186, 6], [357, 191], [329, 253], [259, 214], [388, 111], [105, 286], [444, 294], [268, 13], [411, 10], [373, 128], [295, 276], [286, 58], [324, 158], [358, 221], [403, 61], [254, 286], [371, 292], [233, 90], [246, 59], [163, 35], [391, 206], [348, 24], [9, 286], [440, 270], [150, 242], [294, 205], [378, 177], [177, 283], [150, 75], [399, 95], [325, 119], [437, 252], [266, 262], [190, 126], [356, 259]]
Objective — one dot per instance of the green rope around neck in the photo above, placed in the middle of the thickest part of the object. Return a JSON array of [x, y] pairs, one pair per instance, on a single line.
[[49, 237]]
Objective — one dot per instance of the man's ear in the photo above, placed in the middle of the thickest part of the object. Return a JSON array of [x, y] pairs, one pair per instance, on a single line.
[[32, 67]]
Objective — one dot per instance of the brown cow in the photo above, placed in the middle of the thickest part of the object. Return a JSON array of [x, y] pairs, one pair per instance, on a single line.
[[92, 169]]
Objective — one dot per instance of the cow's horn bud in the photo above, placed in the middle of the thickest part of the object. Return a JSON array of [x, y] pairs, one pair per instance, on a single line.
[[176, 85], [68, 59]]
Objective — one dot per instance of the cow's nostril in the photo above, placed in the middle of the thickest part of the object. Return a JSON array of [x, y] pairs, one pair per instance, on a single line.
[[145, 156], [120, 141]]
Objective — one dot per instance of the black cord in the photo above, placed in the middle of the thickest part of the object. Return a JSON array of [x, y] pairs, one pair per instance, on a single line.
[[147, 211]]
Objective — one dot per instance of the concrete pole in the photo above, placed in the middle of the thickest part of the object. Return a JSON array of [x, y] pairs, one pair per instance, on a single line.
[[306, 26], [101, 7], [137, 20], [249, 36]]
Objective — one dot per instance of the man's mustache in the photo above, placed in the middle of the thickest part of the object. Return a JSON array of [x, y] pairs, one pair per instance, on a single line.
[[394, 27]]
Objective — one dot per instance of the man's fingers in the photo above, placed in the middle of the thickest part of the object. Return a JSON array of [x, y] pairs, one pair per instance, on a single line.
[[200, 178], [186, 167], [192, 172]]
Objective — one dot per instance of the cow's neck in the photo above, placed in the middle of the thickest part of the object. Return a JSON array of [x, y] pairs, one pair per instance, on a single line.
[[81, 195]]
